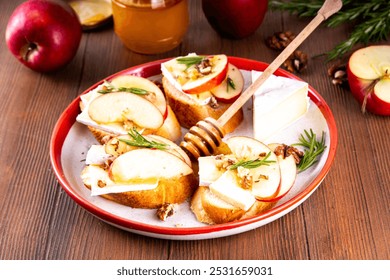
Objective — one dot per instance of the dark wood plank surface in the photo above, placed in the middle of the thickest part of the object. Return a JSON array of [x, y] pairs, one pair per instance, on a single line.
[[346, 218]]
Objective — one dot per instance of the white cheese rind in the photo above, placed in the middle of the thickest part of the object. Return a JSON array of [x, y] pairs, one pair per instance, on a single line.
[[228, 189], [96, 155], [92, 174], [208, 171], [278, 103]]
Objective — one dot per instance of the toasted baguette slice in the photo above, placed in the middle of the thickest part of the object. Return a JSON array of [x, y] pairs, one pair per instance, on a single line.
[[209, 209], [189, 112], [172, 190]]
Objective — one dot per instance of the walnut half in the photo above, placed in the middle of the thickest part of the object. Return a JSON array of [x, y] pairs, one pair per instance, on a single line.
[[165, 211], [286, 150]]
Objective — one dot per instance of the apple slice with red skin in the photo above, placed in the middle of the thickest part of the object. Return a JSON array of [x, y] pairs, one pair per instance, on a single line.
[[266, 178], [172, 147], [217, 74], [118, 107], [288, 172], [155, 95], [231, 88], [368, 73]]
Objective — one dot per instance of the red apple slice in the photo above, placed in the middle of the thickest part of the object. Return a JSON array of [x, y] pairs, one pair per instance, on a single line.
[[155, 95], [119, 107], [172, 147], [369, 78], [230, 89], [219, 68], [144, 164], [266, 178], [288, 171]]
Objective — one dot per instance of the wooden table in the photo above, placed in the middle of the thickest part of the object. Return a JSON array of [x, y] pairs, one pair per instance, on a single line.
[[346, 218]]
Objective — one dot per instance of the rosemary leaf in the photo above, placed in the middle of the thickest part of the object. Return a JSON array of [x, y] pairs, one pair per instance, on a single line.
[[188, 61], [370, 19], [140, 141], [138, 91], [230, 84], [313, 148], [250, 164], [109, 87]]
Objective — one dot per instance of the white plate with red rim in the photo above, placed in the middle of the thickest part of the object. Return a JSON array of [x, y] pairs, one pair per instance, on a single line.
[[71, 140]]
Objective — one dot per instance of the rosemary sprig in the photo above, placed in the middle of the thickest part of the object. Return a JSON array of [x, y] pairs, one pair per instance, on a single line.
[[254, 163], [230, 84], [371, 20], [189, 60], [140, 141], [109, 87], [313, 147]]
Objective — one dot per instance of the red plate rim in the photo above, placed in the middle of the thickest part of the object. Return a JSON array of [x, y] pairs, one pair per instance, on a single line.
[[68, 118]]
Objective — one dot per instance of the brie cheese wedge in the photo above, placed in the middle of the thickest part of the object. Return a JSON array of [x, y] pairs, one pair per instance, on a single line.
[[278, 103], [94, 175], [228, 189]]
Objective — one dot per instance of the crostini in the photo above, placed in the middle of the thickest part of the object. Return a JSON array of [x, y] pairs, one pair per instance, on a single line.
[[126, 102], [198, 87], [139, 171], [242, 183]]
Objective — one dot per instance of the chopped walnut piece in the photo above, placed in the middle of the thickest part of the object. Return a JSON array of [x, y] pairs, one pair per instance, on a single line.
[[204, 67], [101, 184], [246, 179], [165, 211], [261, 177], [223, 162], [286, 150]]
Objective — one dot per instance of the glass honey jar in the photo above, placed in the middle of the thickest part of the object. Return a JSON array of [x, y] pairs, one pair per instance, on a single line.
[[150, 26]]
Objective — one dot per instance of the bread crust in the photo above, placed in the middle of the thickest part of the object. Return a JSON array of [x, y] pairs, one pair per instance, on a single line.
[[189, 112], [208, 210], [169, 190]]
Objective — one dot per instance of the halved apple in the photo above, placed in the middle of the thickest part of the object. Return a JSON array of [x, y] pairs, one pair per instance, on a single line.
[[119, 107], [231, 88], [288, 171], [147, 164], [369, 78], [266, 178], [155, 94]]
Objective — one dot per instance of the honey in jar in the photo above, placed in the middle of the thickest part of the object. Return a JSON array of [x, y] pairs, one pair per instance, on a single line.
[[150, 26]]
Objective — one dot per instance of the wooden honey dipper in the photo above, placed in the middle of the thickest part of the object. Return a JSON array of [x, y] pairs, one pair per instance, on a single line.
[[206, 136]]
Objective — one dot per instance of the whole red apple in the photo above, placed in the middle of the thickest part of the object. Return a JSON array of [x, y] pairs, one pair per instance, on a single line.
[[43, 34], [368, 73], [235, 19]]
